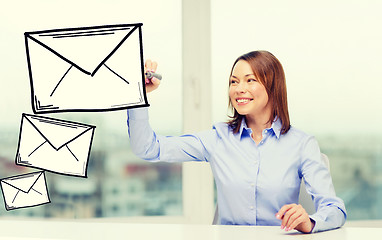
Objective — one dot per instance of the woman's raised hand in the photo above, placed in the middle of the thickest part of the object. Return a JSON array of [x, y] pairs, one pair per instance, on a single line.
[[153, 83]]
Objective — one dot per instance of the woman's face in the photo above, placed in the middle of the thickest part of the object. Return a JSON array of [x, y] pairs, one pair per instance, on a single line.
[[248, 95]]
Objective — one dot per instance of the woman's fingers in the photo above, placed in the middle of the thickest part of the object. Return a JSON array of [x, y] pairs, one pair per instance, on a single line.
[[150, 66], [288, 214], [282, 211], [294, 216], [154, 66], [297, 221], [153, 83]]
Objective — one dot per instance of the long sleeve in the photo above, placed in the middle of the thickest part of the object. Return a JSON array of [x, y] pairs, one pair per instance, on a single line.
[[331, 212], [146, 144], [253, 181]]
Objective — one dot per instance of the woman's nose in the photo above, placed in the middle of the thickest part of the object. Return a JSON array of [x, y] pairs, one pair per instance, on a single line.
[[241, 87]]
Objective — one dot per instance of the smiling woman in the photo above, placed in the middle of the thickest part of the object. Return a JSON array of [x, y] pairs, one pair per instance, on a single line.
[[255, 76], [258, 160]]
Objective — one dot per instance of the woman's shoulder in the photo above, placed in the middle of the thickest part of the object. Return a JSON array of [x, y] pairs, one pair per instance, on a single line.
[[222, 128], [298, 134], [221, 125], [300, 140]]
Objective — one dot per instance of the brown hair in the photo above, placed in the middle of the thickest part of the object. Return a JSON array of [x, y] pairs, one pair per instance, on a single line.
[[269, 71]]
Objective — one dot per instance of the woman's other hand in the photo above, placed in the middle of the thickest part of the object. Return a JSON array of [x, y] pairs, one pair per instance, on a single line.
[[153, 83], [294, 216]]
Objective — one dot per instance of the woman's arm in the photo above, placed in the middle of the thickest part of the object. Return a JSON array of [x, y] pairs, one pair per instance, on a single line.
[[146, 144], [331, 212]]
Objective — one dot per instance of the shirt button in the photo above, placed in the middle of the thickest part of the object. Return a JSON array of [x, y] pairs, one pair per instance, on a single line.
[[252, 184], [251, 207]]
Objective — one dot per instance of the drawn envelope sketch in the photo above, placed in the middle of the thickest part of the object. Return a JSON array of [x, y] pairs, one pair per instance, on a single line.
[[86, 69], [54, 145], [25, 190]]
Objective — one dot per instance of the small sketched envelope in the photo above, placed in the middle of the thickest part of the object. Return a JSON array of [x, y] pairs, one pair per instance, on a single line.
[[84, 69], [54, 145], [25, 190]]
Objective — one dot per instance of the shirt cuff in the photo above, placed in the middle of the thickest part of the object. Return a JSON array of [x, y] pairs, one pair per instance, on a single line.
[[314, 229]]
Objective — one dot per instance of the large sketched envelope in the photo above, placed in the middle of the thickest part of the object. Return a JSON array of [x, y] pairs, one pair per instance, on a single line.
[[54, 145], [25, 190], [86, 69]]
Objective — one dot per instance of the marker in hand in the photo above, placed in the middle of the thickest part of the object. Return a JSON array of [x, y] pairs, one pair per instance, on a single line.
[[150, 75]]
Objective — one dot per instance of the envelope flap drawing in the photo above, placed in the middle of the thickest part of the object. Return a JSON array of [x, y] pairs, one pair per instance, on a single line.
[[56, 132], [86, 69], [22, 183], [73, 45]]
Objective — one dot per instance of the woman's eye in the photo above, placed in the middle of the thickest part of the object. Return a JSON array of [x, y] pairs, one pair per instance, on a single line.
[[233, 81], [252, 80]]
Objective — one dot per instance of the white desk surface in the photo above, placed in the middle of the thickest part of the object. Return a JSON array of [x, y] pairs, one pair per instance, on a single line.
[[58, 230]]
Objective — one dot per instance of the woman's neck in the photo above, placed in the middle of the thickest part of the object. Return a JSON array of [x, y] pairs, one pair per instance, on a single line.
[[257, 125]]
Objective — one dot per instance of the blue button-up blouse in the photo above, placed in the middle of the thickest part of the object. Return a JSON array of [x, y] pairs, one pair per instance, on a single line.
[[253, 181]]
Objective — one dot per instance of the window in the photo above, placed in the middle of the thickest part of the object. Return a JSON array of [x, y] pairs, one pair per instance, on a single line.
[[332, 80], [118, 184]]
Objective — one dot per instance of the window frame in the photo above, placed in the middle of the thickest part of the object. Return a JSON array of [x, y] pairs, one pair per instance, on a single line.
[[197, 179]]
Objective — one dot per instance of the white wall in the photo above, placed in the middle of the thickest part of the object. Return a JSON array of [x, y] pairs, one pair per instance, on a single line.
[[330, 49]]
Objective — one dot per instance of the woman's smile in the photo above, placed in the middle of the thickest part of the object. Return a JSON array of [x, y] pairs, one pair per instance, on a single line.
[[244, 88], [243, 101]]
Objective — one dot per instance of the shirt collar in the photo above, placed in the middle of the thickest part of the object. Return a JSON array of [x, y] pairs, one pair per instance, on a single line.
[[244, 128], [275, 127]]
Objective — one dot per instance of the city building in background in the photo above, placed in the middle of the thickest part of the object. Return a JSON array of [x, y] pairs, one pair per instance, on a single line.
[[118, 184], [121, 185]]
